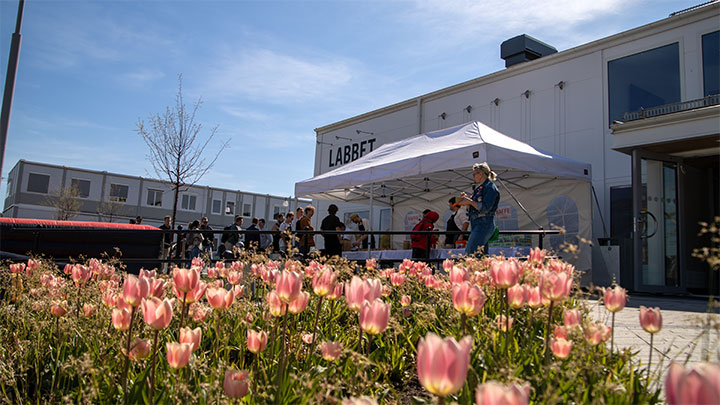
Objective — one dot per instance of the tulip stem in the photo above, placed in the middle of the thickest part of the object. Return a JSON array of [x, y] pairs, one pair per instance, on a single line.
[[463, 318], [127, 354], [217, 333], [547, 332], [650, 357], [273, 338], [317, 317], [78, 303], [281, 367], [612, 333], [359, 350], [255, 374], [152, 369], [507, 324], [182, 310]]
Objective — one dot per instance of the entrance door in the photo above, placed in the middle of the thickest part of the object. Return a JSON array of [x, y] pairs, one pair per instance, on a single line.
[[656, 222]]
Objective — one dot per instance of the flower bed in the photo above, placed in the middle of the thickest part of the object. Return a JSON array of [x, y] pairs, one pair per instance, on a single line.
[[284, 332]]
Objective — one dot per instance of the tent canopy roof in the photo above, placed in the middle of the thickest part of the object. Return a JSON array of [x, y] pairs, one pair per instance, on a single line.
[[437, 164]]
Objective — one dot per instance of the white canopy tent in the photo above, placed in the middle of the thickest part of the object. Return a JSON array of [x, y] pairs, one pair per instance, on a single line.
[[423, 171]]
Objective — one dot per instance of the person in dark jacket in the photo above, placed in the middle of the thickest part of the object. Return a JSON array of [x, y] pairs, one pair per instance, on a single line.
[[230, 239], [420, 241], [252, 237], [332, 223], [481, 208]]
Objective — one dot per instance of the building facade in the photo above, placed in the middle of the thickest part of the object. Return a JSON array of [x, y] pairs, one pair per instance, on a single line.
[[640, 106], [33, 189]]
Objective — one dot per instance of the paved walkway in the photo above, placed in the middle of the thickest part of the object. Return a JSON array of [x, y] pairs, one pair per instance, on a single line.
[[687, 332]]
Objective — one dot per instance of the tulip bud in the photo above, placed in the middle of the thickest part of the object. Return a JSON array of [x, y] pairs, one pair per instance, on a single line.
[[442, 365], [615, 299], [191, 336], [236, 383], [331, 351], [650, 319], [178, 354]]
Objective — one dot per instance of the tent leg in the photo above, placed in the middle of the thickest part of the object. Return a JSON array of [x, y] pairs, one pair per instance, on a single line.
[[370, 237]]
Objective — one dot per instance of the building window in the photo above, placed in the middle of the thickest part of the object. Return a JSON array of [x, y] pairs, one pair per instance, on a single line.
[[230, 208], [118, 192], [154, 198], [711, 62], [562, 213], [10, 189], [82, 187], [643, 80], [188, 202], [216, 204], [277, 209], [247, 210], [38, 183]]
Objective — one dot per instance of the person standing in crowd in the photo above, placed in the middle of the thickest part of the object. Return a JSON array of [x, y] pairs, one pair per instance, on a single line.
[[138, 220], [230, 239], [482, 205], [252, 238], [167, 241], [286, 226], [307, 241], [331, 223], [279, 219], [362, 224], [265, 238], [299, 212], [194, 239], [208, 235], [420, 241], [457, 222]]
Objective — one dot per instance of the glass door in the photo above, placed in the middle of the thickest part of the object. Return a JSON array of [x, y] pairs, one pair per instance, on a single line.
[[656, 222]]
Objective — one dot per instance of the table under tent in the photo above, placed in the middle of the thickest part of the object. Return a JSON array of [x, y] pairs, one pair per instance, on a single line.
[[537, 188]]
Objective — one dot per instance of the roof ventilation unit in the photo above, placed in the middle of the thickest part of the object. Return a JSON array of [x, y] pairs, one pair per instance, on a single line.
[[524, 48]]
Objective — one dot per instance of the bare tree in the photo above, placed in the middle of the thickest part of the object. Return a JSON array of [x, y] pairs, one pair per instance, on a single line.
[[109, 210], [176, 148], [66, 202]]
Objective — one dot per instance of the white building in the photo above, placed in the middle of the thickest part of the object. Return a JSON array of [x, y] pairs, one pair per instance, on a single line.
[[32, 186], [655, 172]]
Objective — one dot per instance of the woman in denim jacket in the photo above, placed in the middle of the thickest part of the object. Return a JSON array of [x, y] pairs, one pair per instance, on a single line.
[[481, 208]]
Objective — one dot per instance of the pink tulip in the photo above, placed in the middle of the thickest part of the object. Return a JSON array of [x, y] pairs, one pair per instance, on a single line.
[[561, 348], [458, 274], [337, 292], [219, 298], [299, 304], [134, 290], [80, 274], [467, 298], [147, 273], [256, 341], [448, 264], [58, 308], [555, 286], [537, 255], [18, 268], [307, 338], [534, 297], [109, 299], [504, 273], [199, 312], [275, 304], [595, 333], [371, 264], [504, 323], [615, 299], [156, 287], [650, 319], [193, 295], [178, 354], [397, 279], [191, 336], [139, 349], [405, 300], [234, 277], [185, 279], [560, 332], [358, 291], [442, 365], [516, 295], [157, 313], [213, 272], [374, 316], [494, 393], [288, 285], [88, 310], [121, 319], [572, 318], [324, 282], [236, 383], [331, 351], [699, 384]]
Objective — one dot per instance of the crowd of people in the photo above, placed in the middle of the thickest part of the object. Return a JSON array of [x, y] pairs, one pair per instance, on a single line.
[[475, 212]]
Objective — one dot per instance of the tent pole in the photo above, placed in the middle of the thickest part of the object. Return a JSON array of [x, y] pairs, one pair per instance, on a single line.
[[518, 203], [372, 191]]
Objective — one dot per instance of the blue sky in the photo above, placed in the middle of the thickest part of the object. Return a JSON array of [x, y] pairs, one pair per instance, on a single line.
[[268, 72]]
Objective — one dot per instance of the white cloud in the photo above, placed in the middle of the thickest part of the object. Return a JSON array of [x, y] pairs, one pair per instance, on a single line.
[[141, 77], [269, 76], [246, 114], [501, 19]]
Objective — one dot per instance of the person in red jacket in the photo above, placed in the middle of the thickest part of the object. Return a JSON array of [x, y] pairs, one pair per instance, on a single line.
[[420, 241]]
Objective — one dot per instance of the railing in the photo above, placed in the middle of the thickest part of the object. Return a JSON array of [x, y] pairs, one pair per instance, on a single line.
[[672, 108], [178, 257]]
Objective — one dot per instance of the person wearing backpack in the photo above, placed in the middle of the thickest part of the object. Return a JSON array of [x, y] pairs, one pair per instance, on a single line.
[[419, 242]]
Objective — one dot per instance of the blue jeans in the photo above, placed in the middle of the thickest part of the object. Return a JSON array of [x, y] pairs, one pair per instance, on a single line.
[[481, 229]]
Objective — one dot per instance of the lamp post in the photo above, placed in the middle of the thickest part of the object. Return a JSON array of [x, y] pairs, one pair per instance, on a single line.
[[10, 83]]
